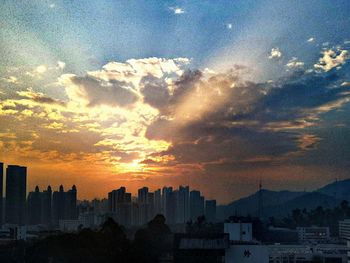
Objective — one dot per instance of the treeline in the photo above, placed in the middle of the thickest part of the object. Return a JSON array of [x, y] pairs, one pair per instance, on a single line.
[[319, 216], [108, 244]]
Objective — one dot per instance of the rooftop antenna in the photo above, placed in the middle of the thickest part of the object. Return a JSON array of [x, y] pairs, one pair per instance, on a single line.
[[260, 200]]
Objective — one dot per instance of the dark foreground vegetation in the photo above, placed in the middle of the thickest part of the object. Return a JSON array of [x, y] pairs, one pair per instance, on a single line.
[[108, 244]]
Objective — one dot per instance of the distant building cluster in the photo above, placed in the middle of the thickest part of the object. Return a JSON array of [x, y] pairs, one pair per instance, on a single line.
[[39, 208], [60, 209], [178, 206]]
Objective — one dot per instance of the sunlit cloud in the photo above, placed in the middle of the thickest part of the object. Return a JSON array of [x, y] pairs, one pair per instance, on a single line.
[[177, 10], [332, 59], [275, 53]]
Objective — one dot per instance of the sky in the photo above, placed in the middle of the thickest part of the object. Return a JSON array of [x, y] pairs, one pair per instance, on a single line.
[[217, 95]]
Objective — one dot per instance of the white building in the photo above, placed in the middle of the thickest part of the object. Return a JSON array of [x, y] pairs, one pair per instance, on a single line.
[[239, 231], [313, 234], [344, 229]]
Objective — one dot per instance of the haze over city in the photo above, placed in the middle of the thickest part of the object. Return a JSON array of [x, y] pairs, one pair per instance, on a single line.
[[217, 95]]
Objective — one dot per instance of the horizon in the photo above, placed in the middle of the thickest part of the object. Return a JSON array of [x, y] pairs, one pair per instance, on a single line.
[[175, 187], [216, 96]]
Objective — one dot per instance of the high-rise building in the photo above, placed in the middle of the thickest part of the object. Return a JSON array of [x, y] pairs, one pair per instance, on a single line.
[[150, 201], [119, 203], [71, 203], [196, 205], [166, 202], [46, 206], [143, 205], [210, 211], [143, 195], [64, 205], [34, 207], [1, 193], [58, 205], [16, 185], [182, 204], [157, 202], [115, 198]]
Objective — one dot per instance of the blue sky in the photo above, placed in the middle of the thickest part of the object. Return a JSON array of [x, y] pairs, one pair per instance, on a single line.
[[170, 92]]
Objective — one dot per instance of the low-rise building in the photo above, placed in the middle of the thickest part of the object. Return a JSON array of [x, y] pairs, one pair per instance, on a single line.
[[313, 234], [344, 229], [239, 231]]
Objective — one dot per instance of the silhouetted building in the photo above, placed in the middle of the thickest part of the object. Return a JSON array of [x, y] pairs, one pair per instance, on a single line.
[[167, 201], [210, 211], [158, 202], [119, 203], [71, 203], [64, 205], [182, 204], [196, 205], [143, 205], [46, 206], [58, 205], [39, 206], [16, 184], [34, 207], [150, 201]]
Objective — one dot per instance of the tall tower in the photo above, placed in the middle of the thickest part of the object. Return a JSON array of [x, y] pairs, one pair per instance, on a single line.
[[260, 200], [16, 185]]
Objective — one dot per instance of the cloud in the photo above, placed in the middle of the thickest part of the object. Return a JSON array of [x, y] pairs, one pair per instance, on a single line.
[[293, 63], [92, 91], [122, 84], [41, 69], [156, 117], [11, 79], [61, 65], [39, 97], [177, 10], [332, 59], [229, 26], [275, 53], [219, 118]]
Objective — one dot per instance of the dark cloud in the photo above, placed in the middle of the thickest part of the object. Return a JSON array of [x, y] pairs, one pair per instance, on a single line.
[[155, 91], [47, 100], [97, 92], [253, 124]]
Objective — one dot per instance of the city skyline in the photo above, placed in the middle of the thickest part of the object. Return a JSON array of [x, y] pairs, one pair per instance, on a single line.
[[215, 95], [58, 208]]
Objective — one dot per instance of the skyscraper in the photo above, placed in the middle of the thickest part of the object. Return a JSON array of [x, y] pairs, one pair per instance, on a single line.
[[64, 204], [196, 205], [34, 207], [182, 204], [157, 202], [58, 205], [166, 192], [71, 203], [119, 203], [46, 206], [210, 211], [143, 205], [16, 185]]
